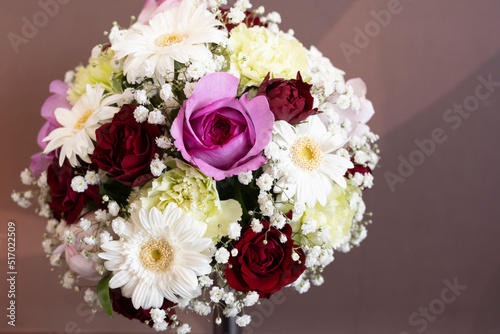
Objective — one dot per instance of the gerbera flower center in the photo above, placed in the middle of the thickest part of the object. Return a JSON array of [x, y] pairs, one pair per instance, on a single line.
[[306, 153], [156, 255], [80, 124], [170, 39]]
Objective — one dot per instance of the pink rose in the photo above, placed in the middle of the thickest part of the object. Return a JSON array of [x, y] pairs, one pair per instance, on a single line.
[[219, 133], [82, 266]]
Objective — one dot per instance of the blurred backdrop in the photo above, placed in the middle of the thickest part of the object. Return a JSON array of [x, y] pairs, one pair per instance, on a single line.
[[431, 261]]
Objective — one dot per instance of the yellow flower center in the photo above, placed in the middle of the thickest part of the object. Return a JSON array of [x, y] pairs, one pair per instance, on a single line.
[[80, 124], [156, 255], [169, 39], [306, 153]]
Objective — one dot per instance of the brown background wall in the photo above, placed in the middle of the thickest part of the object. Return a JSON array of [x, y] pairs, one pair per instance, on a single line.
[[441, 223]]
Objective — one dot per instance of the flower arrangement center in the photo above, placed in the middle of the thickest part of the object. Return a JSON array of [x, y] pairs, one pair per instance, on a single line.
[[156, 255], [169, 39], [80, 123], [306, 153]]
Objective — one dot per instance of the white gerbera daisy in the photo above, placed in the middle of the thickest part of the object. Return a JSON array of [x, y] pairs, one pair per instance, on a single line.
[[78, 125], [179, 33], [160, 256], [311, 164]]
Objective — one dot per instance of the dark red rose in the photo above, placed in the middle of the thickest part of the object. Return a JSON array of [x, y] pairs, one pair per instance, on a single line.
[[65, 202], [358, 169], [251, 20], [262, 266], [125, 148], [289, 100], [124, 306]]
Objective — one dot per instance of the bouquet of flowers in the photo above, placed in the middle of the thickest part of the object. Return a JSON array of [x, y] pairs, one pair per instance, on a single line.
[[201, 160]]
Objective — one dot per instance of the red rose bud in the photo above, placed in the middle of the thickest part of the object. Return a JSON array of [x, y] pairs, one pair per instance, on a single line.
[[124, 306], [263, 263], [125, 148], [66, 203], [289, 100]]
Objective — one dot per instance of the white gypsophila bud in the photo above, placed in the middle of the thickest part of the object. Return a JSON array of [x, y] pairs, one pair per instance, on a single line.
[[229, 298], [245, 177], [343, 102], [141, 114], [355, 104], [283, 238], [105, 237], [243, 320], [51, 225], [101, 215], [79, 184], [27, 177], [274, 17], [195, 70], [205, 281], [234, 230], [166, 92], [157, 166], [303, 286], [90, 240], [231, 312], [189, 89], [92, 177], [341, 87], [156, 117], [256, 225], [309, 226], [360, 157], [251, 298], [141, 96], [357, 179], [42, 180], [85, 224], [260, 10], [89, 295], [113, 208], [55, 260], [158, 315], [265, 182], [278, 221], [47, 246], [184, 329], [295, 256], [201, 308], [236, 15], [222, 255], [160, 326], [218, 321], [216, 294], [368, 180], [68, 280], [164, 142], [118, 225], [317, 280], [234, 252]]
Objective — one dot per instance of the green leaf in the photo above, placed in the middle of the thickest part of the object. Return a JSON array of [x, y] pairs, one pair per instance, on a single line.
[[117, 83], [103, 295]]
